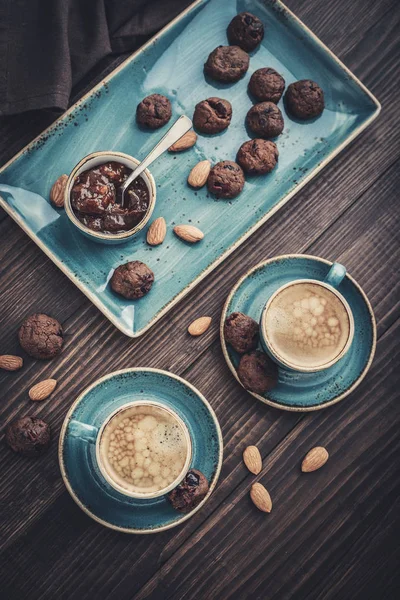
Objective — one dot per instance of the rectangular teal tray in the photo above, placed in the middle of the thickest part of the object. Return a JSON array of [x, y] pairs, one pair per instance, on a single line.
[[172, 64]]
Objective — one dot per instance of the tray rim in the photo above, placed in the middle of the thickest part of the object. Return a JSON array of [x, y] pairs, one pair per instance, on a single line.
[[275, 4], [266, 400], [61, 442]]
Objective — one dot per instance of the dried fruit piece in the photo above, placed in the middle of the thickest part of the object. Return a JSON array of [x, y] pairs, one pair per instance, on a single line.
[[189, 233], [42, 390], [186, 141], [260, 497], [9, 362], [58, 190], [252, 459], [199, 174], [190, 492], [314, 459], [199, 326], [157, 232]]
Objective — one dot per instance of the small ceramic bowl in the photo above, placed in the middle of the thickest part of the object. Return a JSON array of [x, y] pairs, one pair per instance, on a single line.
[[99, 158]]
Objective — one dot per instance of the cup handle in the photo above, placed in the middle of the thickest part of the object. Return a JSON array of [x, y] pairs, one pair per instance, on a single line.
[[83, 431], [336, 274]]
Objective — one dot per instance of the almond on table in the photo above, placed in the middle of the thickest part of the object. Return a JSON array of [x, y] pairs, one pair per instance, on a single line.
[[184, 143], [260, 497], [252, 459], [314, 459], [156, 232], [42, 390], [199, 174], [199, 326], [9, 362], [189, 233], [58, 190]]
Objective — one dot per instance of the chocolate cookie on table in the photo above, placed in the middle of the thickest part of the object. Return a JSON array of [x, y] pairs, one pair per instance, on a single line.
[[267, 85], [227, 64], [304, 99], [241, 332], [154, 111], [257, 157], [132, 280], [28, 436], [226, 180], [212, 115], [257, 372], [246, 31], [41, 336], [265, 119], [190, 492]]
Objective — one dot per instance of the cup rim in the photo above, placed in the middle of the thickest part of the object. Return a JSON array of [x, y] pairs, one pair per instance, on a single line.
[[175, 482], [292, 366], [125, 235]]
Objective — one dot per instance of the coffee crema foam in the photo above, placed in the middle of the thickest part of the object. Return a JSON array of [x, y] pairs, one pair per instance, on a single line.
[[143, 449], [307, 325]]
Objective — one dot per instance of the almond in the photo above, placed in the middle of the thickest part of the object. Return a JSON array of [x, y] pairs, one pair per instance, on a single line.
[[8, 362], [186, 141], [314, 459], [261, 497], [58, 190], [156, 232], [199, 326], [42, 390], [199, 174], [189, 233], [252, 459]]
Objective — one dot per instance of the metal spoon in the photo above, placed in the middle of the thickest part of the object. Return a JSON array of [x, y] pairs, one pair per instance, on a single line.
[[174, 133]]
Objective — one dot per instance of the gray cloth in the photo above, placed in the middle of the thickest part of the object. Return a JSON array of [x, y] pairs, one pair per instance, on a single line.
[[47, 46]]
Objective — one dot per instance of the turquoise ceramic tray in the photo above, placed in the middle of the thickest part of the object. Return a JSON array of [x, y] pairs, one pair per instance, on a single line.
[[172, 64]]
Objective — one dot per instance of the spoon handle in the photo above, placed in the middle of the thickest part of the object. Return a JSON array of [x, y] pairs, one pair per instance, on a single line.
[[174, 133]]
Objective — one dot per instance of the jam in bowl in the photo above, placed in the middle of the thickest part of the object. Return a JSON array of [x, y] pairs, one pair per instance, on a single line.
[[93, 197]]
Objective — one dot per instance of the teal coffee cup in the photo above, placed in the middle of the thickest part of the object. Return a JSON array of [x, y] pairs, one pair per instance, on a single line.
[[307, 325], [146, 430]]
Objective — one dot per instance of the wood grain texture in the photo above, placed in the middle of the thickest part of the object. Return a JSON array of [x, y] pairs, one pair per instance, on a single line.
[[331, 533]]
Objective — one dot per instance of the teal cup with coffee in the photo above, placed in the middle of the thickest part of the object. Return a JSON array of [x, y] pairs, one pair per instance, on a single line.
[[307, 325]]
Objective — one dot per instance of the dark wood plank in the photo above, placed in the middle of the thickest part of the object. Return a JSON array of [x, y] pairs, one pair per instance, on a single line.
[[243, 422], [339, 186], [240, 552], [338, 241], [90, 331], [42, 525]]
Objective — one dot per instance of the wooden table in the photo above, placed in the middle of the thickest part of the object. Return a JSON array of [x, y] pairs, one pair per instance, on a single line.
[[331, 534]]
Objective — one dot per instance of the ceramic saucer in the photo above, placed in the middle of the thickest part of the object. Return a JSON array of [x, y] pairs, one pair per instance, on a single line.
[[304, 391], [77, 458]]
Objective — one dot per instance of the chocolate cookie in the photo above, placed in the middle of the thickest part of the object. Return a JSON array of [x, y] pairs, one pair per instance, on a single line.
[[154, 111], [245, 30], [212, 115], [41, 336], [132, 280], [227, 63], [28, 436], [267, 85], [190, 492], [265, 119], [257, 157], [304, 99], [226, 180], [257, 372], [241, 332]]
